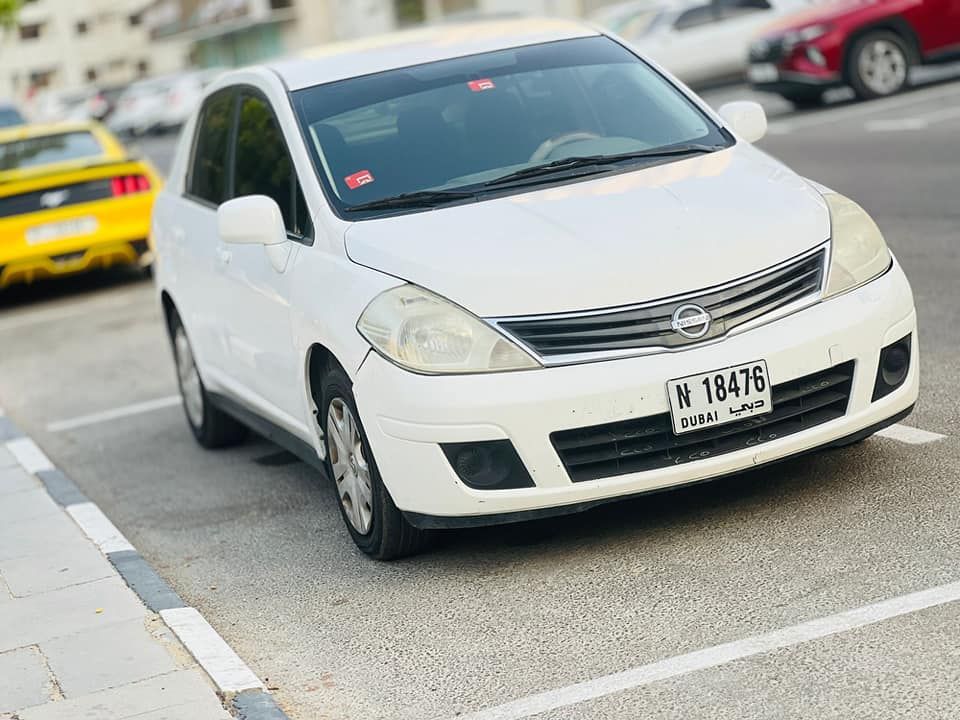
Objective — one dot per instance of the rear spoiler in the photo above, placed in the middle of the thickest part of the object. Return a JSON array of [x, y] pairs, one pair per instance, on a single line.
[[46, 171]]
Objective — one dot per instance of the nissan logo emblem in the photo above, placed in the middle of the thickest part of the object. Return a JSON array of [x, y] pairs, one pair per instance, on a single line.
[[691, 321]]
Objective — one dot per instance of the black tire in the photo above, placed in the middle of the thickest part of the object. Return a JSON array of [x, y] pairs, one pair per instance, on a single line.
[[804, 99], [900, 52], [390, 536], [213, 428]]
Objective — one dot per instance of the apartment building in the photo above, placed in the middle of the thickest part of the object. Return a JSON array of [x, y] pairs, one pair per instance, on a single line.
[[68, 44], [236, 32], [65, 45]]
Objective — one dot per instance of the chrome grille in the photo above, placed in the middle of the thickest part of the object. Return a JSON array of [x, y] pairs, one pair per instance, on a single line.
[[649, 326]]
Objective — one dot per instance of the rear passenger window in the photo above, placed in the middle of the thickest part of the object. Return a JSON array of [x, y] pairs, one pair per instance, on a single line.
[[263, 165], [208, 179]]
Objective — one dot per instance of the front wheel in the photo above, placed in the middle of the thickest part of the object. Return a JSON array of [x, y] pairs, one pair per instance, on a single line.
[[376, 525], [879, 65]]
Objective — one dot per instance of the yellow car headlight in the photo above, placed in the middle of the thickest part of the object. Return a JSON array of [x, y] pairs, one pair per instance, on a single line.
[[858, 251]]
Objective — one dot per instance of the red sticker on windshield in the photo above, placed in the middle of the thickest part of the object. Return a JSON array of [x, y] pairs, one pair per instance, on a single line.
[[481, 85], [358, 179]]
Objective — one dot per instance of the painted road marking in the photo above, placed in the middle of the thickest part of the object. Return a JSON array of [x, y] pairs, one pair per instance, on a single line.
[[920, 121], [114, 414], [909, 435], [223, 665], [18, 321], [825, 117], [29, 455], [896, 125], [720, 654], [97, 527]]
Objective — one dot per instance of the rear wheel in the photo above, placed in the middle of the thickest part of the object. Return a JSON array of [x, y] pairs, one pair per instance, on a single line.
[[212, 427], [879, 65], [376, 525]]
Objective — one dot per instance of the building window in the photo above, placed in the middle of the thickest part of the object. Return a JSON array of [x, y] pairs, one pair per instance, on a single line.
[[143, 67], [82, 27], [91, 74], [458, 6], [281, 4], [135, 19], [41, 78], [409, 12], [31, 32]]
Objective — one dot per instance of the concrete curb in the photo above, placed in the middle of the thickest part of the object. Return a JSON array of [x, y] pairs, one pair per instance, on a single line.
[[243, 693]]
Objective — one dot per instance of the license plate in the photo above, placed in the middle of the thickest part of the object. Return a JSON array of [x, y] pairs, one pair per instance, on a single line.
[[699, 402], [763, 72], [66, 228]]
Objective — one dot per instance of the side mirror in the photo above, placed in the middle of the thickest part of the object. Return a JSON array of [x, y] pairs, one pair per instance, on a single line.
[[746, 119], [251, 220]]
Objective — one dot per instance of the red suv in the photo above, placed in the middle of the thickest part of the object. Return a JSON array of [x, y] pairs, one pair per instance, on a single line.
[[869, 45]]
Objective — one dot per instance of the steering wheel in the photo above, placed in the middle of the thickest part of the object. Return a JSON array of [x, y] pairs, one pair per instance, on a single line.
[[547, 147]]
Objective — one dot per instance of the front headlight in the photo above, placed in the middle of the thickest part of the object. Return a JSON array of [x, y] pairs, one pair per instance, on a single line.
[[811, 32], [858, 251], [425, 333]]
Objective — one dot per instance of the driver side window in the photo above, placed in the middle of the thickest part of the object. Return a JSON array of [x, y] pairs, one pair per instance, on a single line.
[[262, 164]]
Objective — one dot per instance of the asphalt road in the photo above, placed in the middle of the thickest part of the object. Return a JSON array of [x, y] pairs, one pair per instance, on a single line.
[[250, 538]]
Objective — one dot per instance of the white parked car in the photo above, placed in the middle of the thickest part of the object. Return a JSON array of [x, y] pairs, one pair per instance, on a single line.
[[512, 271], [160, 104], [699, 41]]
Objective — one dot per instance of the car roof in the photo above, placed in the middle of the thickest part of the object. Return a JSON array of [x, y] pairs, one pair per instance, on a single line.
[[339, 61]]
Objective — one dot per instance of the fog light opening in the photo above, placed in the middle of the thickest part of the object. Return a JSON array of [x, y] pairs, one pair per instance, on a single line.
[[893, 369], [488, 465]]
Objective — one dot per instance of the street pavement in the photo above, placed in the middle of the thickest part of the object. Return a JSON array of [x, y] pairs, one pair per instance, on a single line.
[[75, 641], [253, 540]]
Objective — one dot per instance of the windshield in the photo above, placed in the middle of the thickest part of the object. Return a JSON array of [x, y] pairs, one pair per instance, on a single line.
[[459, 123], [48, 149]]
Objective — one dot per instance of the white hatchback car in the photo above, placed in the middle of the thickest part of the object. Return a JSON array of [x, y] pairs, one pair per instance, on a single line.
[[512, 270]]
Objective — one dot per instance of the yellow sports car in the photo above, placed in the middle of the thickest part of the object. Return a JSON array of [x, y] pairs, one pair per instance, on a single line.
[[71, 200]]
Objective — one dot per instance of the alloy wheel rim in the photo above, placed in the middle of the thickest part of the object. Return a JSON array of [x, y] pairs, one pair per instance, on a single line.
[[351, 472], [883, 67], [189, 378]]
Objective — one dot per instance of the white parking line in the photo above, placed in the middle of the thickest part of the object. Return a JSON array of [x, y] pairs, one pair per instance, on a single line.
[[113, 414], [920, 121], [825, 117], [910, 435], [720, 654]]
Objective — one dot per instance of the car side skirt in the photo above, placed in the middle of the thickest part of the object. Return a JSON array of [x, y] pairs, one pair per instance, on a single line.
[[272, 432]]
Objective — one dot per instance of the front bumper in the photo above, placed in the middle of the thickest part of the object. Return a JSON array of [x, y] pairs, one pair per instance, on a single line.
[[406, 416]]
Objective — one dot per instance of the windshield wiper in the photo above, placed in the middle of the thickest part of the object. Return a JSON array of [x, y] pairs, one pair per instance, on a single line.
[[588, 161], [419, 199]]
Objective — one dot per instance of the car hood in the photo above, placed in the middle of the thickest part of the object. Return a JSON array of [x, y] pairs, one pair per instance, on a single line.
[[622, 239], [811, 16]]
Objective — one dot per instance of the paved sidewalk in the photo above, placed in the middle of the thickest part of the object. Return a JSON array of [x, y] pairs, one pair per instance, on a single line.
[[75, 641]]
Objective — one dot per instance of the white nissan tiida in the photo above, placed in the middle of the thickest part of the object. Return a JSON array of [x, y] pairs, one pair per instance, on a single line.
[[508, 270]]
